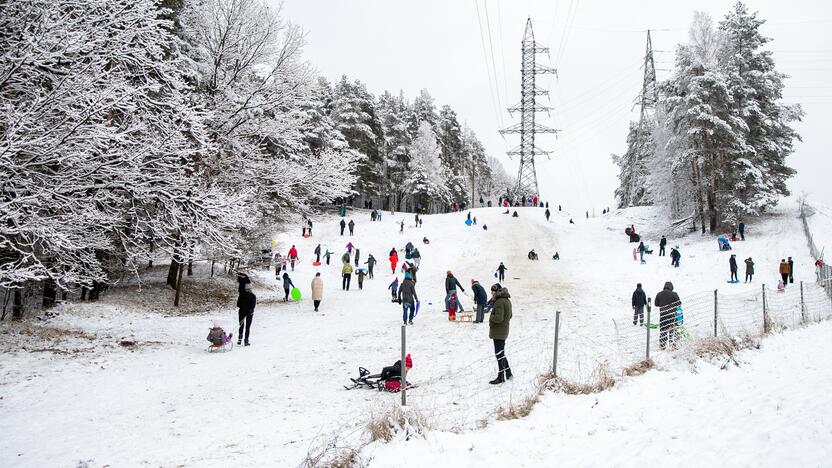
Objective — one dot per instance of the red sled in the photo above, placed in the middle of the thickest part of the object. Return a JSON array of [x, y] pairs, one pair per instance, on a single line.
[[307, 236], [394, 386], [316, 263]]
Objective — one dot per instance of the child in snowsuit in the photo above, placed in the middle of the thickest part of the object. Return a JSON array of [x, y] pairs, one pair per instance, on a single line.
[[394, 289]]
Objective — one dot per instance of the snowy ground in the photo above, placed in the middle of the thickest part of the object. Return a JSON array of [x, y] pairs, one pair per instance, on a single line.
[[770, 410], [167, 402]]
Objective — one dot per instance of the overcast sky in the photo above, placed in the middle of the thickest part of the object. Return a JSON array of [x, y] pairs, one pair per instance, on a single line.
[[597, 47]]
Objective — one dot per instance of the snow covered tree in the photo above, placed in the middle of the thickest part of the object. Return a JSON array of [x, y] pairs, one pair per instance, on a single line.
[[423, 110], [425, 184], [355, 115], [634, 188], [393, 111], [452, 154], [759, 172]]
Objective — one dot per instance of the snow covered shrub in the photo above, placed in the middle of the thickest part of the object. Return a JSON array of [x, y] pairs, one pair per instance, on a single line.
[[600, 380], [408, 422]]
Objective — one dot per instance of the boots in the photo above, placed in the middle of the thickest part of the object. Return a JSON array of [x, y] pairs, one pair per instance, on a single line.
[[500, 379]]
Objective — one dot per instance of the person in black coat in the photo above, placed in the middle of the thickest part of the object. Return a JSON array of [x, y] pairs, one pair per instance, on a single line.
[[480, 299], [351, 226], [667, 300], [343, 225], [639, 301], [547, 213], [791, 270], [732, 264], [318, 253], [246, 303], [451, 283], [662, 244], [287, 286], [501, 272], [242, 281]]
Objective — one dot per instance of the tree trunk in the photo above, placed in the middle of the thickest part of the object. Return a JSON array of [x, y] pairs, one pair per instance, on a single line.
[[150, 260], [83, 293], [178, 286], [697, 184], [191, 261], [17, 304], [172, 271], [49, 293]]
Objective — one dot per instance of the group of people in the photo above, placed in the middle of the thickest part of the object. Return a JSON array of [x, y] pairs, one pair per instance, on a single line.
[[670, 316]]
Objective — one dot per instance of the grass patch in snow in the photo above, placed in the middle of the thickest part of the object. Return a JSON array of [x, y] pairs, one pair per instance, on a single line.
[[600, 380], [638, 368], [408, 422]]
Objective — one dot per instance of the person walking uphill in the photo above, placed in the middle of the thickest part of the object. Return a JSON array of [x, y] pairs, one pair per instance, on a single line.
[[317, 253], [343, 225], [394, 259], [480, 299], [287, 286], [547, 214], [246, 303], [501, 272], [352, 226], [791, 270], [784, 270], [732, 264], [408, 298], [639, 301], [293, 257], [317, 290], [371, 262], [498, 326], [346, 272], [451, 284], [667, 301]]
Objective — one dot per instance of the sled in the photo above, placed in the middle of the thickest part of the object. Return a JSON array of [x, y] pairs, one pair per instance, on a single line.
[[307, 235], [295, 294], [651, 326], [464, 316], [733, 282], [224, 347], [316, 263]]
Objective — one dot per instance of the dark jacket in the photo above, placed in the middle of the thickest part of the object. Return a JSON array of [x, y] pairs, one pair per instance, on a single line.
[[502, 268], [674, 254], [451, 283], [318, 250], [407, 292], [639, 297], [343, 224], [246, 302], [663, 242], [749, 266], [498, 323], [242, 280], [480, 296], [371, 261], [415, 254], [666, 301], [352, 224], [732, 263], [287, 282]]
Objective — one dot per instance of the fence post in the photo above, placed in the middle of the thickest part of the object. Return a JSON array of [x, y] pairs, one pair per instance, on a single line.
[[716, 311], [404, 368], [649, 308], [765, 314], [555, 356], [802, 305]]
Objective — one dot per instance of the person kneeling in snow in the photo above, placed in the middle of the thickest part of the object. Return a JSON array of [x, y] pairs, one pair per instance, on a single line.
[[532, 255]]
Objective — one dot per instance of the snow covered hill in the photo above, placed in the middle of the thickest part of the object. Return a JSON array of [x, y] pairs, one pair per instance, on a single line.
[[168, 402]]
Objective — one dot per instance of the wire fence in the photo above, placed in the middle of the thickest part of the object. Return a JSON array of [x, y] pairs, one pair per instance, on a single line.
[[585, 356]]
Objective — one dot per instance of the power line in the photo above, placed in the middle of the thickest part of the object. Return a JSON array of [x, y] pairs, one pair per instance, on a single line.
[[567, 30], [487, 72], [493, 64], [502, 51]]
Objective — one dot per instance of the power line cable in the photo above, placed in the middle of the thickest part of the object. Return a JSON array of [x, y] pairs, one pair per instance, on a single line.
[[493, 62], [502, 51], [487, 71]]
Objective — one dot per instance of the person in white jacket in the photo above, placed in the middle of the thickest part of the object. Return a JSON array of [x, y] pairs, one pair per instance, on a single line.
[[317, 290]]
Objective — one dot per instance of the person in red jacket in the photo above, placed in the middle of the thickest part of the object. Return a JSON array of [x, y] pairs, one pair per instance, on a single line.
[[293, 257], [394, 259]]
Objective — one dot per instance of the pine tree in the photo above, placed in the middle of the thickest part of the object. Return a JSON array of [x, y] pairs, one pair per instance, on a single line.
[[354, 113], [426, 184], [634, 187], [759, 171], [452, 155]]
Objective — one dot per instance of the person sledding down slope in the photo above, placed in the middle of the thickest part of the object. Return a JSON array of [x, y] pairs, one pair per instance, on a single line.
[[389, 379]]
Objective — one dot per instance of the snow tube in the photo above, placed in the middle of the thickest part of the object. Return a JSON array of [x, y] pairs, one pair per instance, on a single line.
[[295, 294], [307, 235], [316, 263], [467, 222], [627, 231]]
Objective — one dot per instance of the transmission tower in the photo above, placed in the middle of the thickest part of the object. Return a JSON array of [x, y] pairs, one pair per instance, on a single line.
[[649, 97], [527, 128]]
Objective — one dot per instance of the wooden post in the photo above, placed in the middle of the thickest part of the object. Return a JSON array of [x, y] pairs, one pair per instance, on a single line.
[[404, 366], [555, 356], [765, 314], [802, 305], [716, 313], [649, 310]]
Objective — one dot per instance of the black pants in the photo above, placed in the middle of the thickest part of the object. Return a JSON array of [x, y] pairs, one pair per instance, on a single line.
[[286, 297], [245, 320], [316, 304], [742, 235], [370, 272], [785, 277], [502, 363], [327, 259], [390, 373], [748, 276], [501, 275], [342, 230], [734, 275], [345, 283], [318, 258], [638, 315], [360, 283], [661, 251], [791, 278], [350, 231]]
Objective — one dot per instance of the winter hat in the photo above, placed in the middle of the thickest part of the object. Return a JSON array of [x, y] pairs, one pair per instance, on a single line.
[[216, 324], [473, 281], [449, 273], [408, 362], [318, 274], [496, 287]]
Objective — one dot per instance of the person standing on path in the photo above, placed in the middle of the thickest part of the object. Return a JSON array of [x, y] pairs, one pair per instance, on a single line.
[[327, 255], [357, 254], [416, 257], [791, 270], [346, 272], [732, 264], [371, 262], [343, 225], [360, 273], [349, 247], [749, 269], [675, 256], [641, 250], [662, 244], [639, 301], [351, 226], [547, 214], [498, 327], [501, 272], [784, 270], [246, 303], [667, 300], [480, 298], [287, 286], [408, 298], [401, 227], [318, 254], [317, 290], [394, 259], [451, 284], [293, 257], [742, 230]]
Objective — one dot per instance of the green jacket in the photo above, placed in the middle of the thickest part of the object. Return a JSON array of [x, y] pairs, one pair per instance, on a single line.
[[347, 269], [500, 316]]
